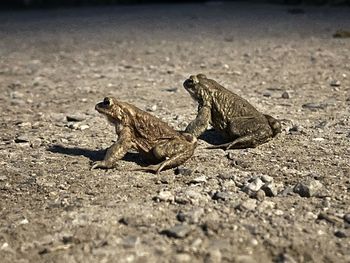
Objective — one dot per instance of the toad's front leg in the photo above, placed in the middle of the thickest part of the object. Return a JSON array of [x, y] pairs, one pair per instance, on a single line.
[[115, 152], [200, 123]]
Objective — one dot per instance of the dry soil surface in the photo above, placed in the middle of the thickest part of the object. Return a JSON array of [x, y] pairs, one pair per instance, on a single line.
[[284, 201]]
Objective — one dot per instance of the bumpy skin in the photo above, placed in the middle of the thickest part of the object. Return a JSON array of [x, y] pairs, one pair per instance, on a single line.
[[139, 130], [234, 117]]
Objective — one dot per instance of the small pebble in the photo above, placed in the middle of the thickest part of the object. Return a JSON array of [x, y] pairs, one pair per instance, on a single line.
[[308, 188], [152, 108], [285, 95], [341, 234], [270, 189], [23, 221], [253, 186], [172, 89], [21, 139], [178, 231], [76, 118], [192, 217], [198, 180], [266, 178], [335, 83], [223, 196], [347, 218], [180, 170], [164, 196], [83, 127]]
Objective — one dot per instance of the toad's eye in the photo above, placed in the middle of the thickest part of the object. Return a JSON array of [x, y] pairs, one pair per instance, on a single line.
[[107, 101], [190, 82]]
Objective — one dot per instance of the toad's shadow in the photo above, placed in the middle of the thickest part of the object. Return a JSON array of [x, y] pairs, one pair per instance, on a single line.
[[94, 155], [212, 137]]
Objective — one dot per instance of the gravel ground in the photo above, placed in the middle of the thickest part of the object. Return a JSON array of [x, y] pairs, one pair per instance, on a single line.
[[285, 201]]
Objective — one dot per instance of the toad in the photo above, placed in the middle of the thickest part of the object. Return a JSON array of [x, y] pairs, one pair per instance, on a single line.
[[150, 136], [231, 115]]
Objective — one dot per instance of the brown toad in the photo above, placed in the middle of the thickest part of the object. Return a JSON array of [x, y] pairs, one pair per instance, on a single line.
[[234, 117], [139, 130]]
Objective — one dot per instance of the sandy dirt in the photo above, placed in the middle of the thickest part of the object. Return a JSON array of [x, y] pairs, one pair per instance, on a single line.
[[57, 64]]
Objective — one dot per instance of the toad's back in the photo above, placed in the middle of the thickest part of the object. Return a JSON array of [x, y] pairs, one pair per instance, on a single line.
[[226, 106]]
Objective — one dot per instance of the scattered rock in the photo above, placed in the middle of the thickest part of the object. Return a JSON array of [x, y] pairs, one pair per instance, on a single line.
[[23, 221], [77, 126], [308, 188], [346, 217], [296, 129], [178, 231], [335, 83], [22, 139], [266, 178], [192, 217], [270, 189], [164, 196], [180, 170], [83, 127], [342, 233], [249, 205], [152, 108], [253, 186], [172, 89], [223, 196], [285, 95], [75, 118], [198, 180]]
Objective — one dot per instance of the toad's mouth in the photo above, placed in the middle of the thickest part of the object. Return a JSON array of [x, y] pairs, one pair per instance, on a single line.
[[189, 85], [100, 107]]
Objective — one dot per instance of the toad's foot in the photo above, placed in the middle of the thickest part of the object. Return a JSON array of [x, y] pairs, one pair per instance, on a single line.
[[151, 168], [102, 164], [224, 146]]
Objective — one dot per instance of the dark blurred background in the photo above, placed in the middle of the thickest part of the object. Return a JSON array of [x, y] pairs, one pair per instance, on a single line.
[[58, 3]]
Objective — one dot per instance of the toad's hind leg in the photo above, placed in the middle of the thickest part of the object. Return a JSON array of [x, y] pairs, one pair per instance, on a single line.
[[247, 132], [173, 153], [247, 141]]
